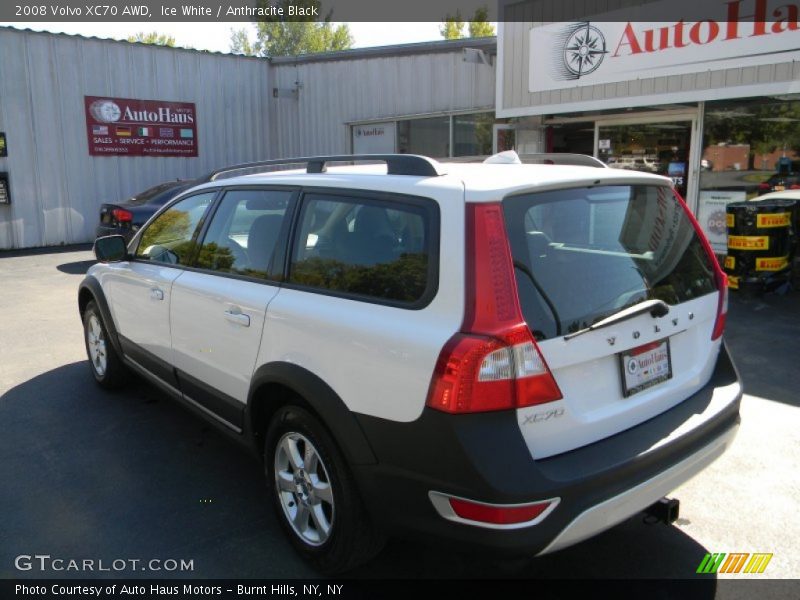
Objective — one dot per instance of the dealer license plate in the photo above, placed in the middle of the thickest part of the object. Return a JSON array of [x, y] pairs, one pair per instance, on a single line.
[[645, 366]]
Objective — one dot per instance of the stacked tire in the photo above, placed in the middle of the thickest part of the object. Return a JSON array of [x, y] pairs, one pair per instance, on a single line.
[[761, 243]]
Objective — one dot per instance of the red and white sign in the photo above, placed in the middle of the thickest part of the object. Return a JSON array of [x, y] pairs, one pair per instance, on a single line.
[[737, 33], [124, 126], [645, 366]]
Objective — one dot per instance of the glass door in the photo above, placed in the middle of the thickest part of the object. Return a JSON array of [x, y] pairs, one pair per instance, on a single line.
[[662, 145], [503, 137]]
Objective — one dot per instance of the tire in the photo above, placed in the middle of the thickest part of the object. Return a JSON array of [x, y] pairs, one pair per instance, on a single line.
[[104, 362], [319, 508]]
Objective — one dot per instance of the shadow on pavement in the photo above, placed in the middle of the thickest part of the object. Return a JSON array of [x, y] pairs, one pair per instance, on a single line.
[[133, 475], [45, 250], [76, 268], [632, 550], [129, 475], [763, 334]]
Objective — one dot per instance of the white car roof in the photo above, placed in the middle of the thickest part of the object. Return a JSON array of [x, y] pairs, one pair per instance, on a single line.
[[482, 182]]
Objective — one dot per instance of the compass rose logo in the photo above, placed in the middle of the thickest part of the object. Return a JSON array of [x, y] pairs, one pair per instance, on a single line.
[[584, 50], [105, 111]]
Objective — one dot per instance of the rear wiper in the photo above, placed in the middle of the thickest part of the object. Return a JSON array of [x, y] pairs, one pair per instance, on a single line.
[[524, 268], [657, 308]]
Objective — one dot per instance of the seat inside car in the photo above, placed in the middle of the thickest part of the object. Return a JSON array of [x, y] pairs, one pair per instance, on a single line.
[[261, 240], [372, 240]]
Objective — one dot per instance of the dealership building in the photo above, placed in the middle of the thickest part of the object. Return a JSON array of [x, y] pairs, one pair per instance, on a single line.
[[714, 104]]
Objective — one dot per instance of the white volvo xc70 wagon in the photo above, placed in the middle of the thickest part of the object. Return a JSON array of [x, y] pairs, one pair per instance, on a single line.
[[505, 356]]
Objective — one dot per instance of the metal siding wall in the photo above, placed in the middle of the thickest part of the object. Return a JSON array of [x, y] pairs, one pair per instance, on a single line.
[[56, 186], [516, 51], [337, 92]]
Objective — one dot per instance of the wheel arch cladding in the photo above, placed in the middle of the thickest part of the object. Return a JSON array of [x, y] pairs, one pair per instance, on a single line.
[[91, 290], [279, 383]]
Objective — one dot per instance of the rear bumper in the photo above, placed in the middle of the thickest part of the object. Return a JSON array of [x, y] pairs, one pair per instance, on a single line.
[[620, 507], [483, 457]]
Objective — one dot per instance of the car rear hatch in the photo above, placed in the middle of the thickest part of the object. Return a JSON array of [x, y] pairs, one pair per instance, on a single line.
[[623, 297]]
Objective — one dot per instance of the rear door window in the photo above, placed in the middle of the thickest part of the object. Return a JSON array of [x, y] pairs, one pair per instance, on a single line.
[[367, 248], [583, 254]]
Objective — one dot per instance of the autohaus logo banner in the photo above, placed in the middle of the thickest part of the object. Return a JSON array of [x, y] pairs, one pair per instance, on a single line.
[[124, 126], [735, 33]]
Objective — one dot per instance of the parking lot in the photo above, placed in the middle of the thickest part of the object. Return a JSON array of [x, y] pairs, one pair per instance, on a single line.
[[130, 475]]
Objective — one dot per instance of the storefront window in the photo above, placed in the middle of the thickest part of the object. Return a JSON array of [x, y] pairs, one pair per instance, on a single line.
[[430, 136], [472, 134], [750, 147], [661, 148], [747, 141]]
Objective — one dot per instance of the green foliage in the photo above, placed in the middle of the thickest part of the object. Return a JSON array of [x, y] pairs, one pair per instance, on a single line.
[[212, 256], [403, 279], [765, 126], [452, 27], [479, 26], [483, 132], [171, 226], [302, 35], [155, 38], [240, 43]]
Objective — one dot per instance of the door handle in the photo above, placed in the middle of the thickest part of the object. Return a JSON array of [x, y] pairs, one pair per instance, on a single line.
[[238, 318], [157, 294]]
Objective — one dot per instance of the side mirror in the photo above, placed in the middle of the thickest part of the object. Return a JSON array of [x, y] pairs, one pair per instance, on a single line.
[[110, 248]]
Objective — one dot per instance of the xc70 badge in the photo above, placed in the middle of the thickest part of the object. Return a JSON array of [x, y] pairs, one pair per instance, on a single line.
[[543, 416]]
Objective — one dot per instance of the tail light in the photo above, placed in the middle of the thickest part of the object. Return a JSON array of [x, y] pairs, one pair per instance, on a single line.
[[763, 187], [494, 362], [794, 186], [722, 309], [719, 275], [494, 514], [121, 215]]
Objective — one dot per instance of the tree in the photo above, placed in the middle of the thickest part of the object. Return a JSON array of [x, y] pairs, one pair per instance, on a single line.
[[479, 26], [764, 126], [240, 43], [276, 36], [452, 27], [155, 38]]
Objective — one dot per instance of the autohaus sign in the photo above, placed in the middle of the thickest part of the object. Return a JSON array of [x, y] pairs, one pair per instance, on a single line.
[[125, 126], [736, 33]]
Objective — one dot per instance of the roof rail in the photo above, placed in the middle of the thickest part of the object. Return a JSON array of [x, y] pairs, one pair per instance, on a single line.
[[396, 164], [563, 158], [549, 158]]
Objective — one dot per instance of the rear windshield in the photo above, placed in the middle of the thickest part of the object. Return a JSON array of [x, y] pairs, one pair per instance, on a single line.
[[583, 254]]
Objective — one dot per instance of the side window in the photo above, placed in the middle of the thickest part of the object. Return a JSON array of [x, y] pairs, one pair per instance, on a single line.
[[170, 238], [243, 232], [355, 246]]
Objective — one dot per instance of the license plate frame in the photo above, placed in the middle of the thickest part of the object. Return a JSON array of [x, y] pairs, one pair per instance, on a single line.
[[636, 374]]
